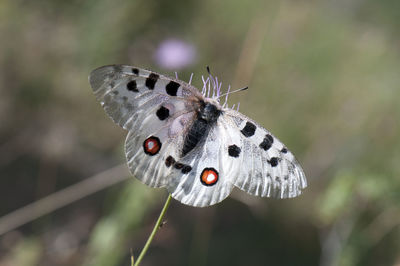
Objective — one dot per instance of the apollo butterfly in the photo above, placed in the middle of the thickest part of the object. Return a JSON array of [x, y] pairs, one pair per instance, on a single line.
[[190, 143]]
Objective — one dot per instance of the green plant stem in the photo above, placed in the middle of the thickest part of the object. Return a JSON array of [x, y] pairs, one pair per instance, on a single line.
[[155, 229]]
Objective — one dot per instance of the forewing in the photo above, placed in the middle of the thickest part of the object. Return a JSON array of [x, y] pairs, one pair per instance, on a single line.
[[128, 93], [148, 153], [154, 108], [267, 167]]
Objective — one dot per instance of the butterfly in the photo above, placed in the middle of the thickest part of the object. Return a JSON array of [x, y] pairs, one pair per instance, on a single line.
[[185, 140]]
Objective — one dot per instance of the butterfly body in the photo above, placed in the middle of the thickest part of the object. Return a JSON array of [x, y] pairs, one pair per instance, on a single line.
[[206, 116], [191, 144]]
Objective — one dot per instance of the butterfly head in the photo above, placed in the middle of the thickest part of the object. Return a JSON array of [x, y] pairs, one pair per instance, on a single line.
[[209, 110]]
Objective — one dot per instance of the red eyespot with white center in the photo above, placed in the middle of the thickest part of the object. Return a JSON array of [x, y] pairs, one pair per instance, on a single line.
[[152, 145], [209, 176]]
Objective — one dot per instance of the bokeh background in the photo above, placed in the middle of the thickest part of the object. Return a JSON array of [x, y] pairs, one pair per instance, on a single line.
[[323, 75]]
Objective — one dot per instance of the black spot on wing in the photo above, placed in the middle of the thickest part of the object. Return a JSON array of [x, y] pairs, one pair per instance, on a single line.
[[162, 113], [273, 162], [135, 71], [183, 167], [186, 169], [267, 142], [249, 129], [234, 151], [284, 150], [172, 88], [151, 81], [132, 86], [169, 161]]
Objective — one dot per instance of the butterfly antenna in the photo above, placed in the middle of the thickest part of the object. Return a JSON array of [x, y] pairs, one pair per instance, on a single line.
[[176, 75], [212, 79], [230, 92]]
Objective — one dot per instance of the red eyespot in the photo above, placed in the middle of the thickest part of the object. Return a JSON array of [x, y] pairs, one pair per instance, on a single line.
[[209, 176], [152, 145]]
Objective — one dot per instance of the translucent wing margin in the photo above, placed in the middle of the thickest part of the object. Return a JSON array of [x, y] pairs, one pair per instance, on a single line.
[[127, 93]]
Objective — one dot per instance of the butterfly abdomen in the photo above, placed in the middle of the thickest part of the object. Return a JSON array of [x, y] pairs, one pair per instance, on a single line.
[[197, 132], [207, 115]]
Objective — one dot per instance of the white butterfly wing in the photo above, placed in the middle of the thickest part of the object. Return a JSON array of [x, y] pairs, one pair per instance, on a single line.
[[267, 167], [128, 93], [153, 165], [155, 109]]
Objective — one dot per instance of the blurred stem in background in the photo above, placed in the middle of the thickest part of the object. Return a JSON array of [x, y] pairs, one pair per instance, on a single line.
[[62, 198]]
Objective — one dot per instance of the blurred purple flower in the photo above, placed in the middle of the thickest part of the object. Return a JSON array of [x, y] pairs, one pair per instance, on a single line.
[[175, 54]]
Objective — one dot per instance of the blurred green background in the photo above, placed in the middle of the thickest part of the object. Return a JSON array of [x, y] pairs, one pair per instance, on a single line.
[[323, 75]]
